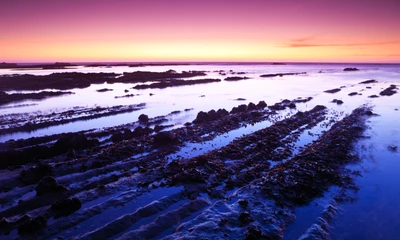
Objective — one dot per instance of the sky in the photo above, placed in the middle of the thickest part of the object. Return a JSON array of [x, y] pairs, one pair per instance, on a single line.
[[200, 30]]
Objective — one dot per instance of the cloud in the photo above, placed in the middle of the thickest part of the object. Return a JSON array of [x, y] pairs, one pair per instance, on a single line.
[[311, 42]]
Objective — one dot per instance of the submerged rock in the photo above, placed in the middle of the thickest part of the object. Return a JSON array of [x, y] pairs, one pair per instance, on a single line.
[[368, 81], [350, 69], [335, 90]]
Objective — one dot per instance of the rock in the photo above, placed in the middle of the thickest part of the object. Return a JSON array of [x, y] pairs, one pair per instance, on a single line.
[[338, 102], [126, 90], [34, 174], [350, 69], [66, 206], [392, 148], [243, 203], [389, 91], [104, 90], [117, 137], [245, 218], [222, 112], [368, 81], [49, 185], [143, 118], [235, 78], [333, 90], [165, 139], [201, 117], [292, 105], [240, 99], [353, 93], [32, 225], [368, 87], [74, 141], [251, 106], [253, 233], [373, 96], [240, 108], [261, 105], [212, 115], [151, 94]]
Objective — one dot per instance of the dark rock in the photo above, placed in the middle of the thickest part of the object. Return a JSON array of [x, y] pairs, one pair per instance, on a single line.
[[34, 174], [49, 185], [373, 96], [201, 117], [253, 233], [350, 69], [333, 90], [251, 106], [143, 118], [235, 78], [32, 226], [240, 99], [353, 93], [222, 112], [280, 74], [243, 203], [368, 87], [117, 137], [66, 206], [74, 141], [261, 105], [338, 102], [104, 90], [368, 81], [166, 139], [292, 105], [389, 91], [126, 90], [212, 114], [245, 218], [240, 108]]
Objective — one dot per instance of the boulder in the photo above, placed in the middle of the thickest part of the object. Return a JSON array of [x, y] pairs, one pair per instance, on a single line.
[[165, 139], [49, 185], [32, 225], [143, 118], [66, 206], [74, 141]]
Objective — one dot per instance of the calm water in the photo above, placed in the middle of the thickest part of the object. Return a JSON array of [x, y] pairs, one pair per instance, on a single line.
[[374, 214]]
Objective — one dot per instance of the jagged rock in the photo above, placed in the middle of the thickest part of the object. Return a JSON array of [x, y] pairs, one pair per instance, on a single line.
[[49, 185], [32, 225], [251, 106], [261, 105], [253, 233], [201, 117], [165, 139], [245, 218], [34, 174], [75, 141], [66, 206]]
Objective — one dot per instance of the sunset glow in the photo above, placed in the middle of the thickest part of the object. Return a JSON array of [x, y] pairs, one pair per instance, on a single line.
[[156, 30]]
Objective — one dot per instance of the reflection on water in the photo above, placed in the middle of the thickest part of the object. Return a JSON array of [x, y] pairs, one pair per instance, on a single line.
[[374, 215]]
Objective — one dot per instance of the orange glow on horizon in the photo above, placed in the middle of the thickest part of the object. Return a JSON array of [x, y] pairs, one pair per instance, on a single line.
[[155, 30]]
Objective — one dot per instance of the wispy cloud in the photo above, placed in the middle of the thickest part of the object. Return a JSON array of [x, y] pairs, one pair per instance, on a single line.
[[312, 42]]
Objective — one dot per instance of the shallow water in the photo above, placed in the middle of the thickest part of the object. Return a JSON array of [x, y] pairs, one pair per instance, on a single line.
[[374, 214]]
